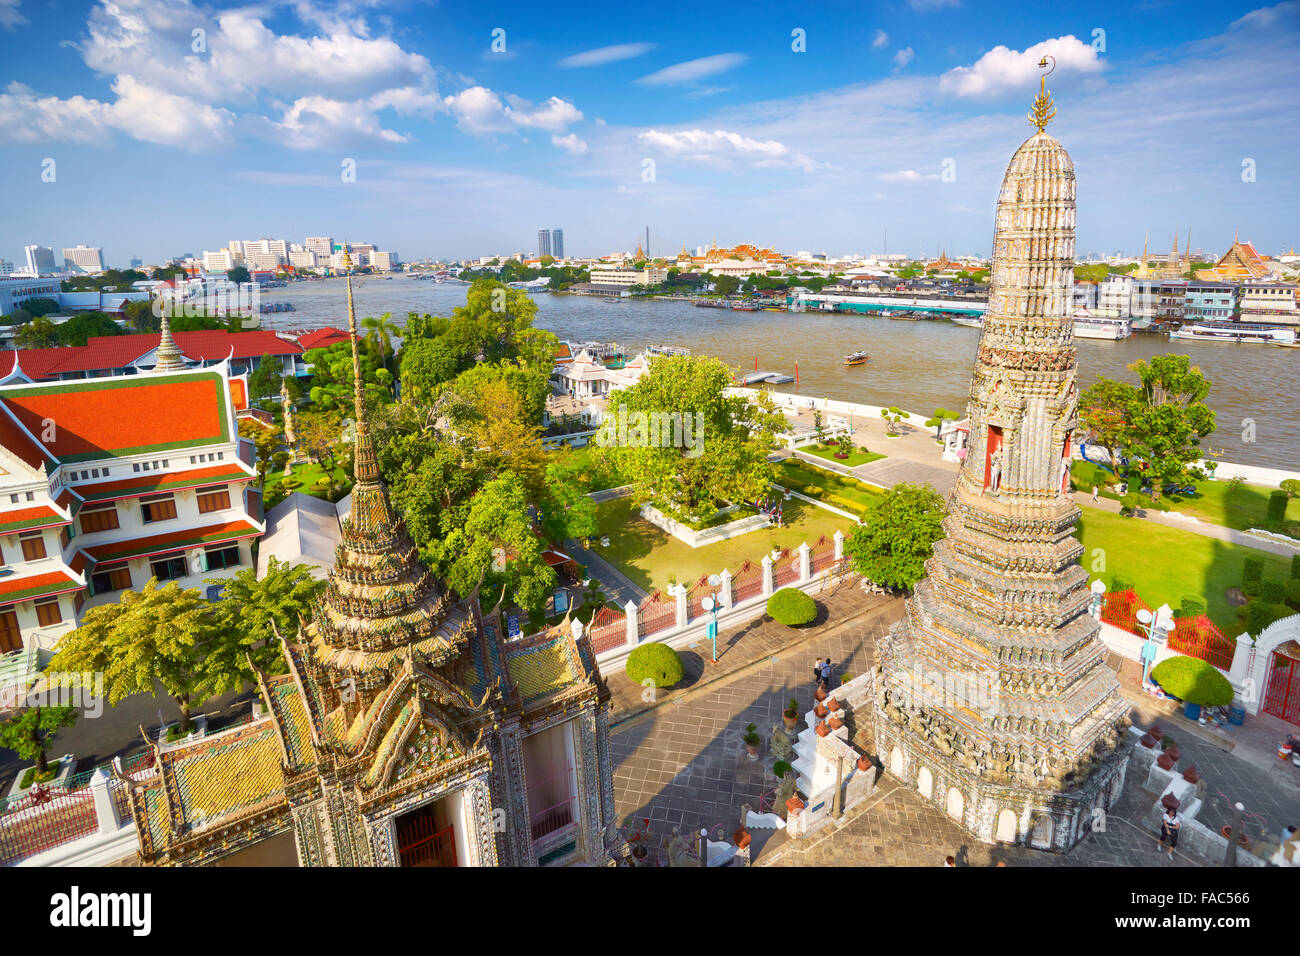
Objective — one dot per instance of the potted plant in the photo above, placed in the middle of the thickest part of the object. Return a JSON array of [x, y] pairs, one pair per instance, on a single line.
[[752, 741], [790, 716]]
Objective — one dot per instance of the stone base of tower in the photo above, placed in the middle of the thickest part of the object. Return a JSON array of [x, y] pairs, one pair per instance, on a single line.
[[1050, 820]]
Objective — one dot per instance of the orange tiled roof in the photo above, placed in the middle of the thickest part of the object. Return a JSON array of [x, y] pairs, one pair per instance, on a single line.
[[27, 519], [238, 394], [162, 481], [13, 589], [21, 444], [104, 418], [171, 541]]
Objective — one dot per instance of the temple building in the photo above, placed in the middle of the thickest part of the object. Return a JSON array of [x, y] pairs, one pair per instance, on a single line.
[[1241, 263], [993, 699], [407, 731]]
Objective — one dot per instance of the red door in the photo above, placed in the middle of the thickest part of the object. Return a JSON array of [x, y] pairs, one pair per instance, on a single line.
[[1282, 699], [423, 841], [11, 637]]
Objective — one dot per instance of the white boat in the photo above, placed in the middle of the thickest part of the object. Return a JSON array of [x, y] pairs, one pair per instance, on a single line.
[[971, 322], [1240, 335], [1087, 326]]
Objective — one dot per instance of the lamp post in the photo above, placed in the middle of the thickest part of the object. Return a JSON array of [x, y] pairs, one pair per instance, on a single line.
[[1153, 625], [710, 604]]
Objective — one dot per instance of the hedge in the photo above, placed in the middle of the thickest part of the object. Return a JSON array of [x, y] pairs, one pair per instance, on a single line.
[[1194, 681], [1295, 567], [1191, 606], [1252, 571], [1272, 592], [656, 662], [1277, 506], [1260, 614], [791, 607]]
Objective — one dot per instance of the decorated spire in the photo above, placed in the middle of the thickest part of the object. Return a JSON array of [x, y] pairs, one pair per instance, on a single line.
[[170, 358], [1043, 111], [365, 464]]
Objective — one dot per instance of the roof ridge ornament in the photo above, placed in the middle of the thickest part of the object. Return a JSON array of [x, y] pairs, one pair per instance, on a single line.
[[1043, 110]]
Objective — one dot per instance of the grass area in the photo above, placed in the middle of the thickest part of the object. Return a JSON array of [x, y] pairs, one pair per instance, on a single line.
[[1166, 563], [1231, 504], [847, 493], [855, 458], [591, 476], [307, 474], [648, 556], [30, 776]]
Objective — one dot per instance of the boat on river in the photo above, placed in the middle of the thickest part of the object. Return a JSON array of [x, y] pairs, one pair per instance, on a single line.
[[1235, 334], [856, 358]]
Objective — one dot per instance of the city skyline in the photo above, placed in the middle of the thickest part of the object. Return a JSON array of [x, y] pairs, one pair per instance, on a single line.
[[452, 140]]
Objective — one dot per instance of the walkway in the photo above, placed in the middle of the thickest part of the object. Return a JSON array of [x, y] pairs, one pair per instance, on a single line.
[[616, 585], [1185, 523]]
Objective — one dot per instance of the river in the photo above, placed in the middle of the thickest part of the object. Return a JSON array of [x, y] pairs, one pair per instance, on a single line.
[[915, 365]]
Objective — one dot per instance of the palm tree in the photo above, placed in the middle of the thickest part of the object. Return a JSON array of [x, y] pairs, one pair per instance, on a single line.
[[379, 333]]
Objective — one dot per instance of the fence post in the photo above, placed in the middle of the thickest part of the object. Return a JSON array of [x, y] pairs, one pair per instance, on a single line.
[[767, 575], [839, 544], [724, 590], [630, 609], [679, 591], [805, 563], [105, 811]]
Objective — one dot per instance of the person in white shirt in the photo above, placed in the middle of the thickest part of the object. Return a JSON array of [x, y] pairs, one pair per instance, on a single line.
[[1169, 828]]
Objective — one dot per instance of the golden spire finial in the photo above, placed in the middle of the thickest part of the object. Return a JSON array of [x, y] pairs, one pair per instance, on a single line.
[[1043, 110]]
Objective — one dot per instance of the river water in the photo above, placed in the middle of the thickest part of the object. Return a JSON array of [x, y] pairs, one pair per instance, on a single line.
[[917, 366]]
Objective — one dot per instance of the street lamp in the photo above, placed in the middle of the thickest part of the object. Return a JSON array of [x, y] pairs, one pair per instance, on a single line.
[[710, 604], [1151, 624]]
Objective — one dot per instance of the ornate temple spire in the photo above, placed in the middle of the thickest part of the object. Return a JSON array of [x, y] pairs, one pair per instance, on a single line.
[[1043, 111], [365, 463], [170, 358]]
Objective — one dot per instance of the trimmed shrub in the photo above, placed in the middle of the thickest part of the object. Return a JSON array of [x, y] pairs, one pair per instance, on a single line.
[[791, 607], [1252, 573], [1293, 593], [1277, 506], [1191, 606], [1194, 681], [1290, 487], [1295, 567], [1129, 504], [1260, 614], [657, 662], [1272, 592], [1121, 582]]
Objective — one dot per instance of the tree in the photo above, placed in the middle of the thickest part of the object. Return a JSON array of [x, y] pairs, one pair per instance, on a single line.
[[897, 535], [1104, 412], [427, 364], [239, 275], [320, 435], [565, 510], [30, 732], [940, 416], [379, 335], [154, 637], [725, 285], [249, 606], [265, 442], [497, 546], [40, 307], [81, 327], [332, 377], [39, 333], [265, 379], [684, 443]]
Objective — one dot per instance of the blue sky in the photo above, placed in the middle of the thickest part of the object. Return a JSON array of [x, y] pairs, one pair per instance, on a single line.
[[166, 141]]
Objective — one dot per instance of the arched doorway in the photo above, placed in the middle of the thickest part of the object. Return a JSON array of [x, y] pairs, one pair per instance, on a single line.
[[1006, 832], [896, 762], [1282, 696], [925, 782], [1041, 834], [955, 804]]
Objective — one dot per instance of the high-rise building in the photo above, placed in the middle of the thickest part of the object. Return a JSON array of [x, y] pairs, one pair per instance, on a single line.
[[543, 242], [219, 261], [40, 260], [557, 243], [993, 698], [322, 246], [6, 267], [302, 259], [84, 259]]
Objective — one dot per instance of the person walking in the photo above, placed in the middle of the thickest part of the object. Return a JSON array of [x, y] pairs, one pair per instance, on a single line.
[[1169, 828], [826, 675], [817, 672], [1094, 494]]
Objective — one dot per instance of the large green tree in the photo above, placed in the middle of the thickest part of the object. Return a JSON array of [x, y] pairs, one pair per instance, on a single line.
[[684, 443], [897, 535], [332, 378], [249, 605], [31, 730]]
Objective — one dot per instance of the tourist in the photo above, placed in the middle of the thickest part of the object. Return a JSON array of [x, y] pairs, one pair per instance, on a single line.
[[1169, 828], [1288, 834], [949, 861], [826, 674], [817, 672], [1094, 494]]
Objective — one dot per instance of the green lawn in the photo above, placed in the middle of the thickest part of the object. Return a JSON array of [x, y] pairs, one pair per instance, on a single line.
[[591, 477], [855, 457], [1232, 504], [649, 556], [847, 493], [1167, 563], [307, 474]]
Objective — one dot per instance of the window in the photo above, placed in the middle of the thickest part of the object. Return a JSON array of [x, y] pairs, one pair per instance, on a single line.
[[111, 577], [65, 536], [99, 518], [31, 496], [165, 567], [223, 556], [157, 508], [11, 635], [33, 543], [48, 613], [214, 498]]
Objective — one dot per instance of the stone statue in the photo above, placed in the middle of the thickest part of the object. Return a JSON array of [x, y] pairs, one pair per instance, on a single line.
[[785, 788], [780, 743], [679, 850], [995, 471]]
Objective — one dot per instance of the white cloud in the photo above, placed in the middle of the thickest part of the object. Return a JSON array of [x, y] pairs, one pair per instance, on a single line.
[[1002, 69], [29, 118], [571, 143], [480, 112], [907, 176], [693, 70], [606, 54], [879, 39], [903, 57], [10, 15], [555, 115], [1265, 17], [313, 122], [722, 146]]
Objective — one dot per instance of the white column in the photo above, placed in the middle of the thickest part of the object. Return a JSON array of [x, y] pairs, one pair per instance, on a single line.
[[767, 575], [724, 591], [632, 636], [838, 538], [805, 563], [105, 810], [680, 593]]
